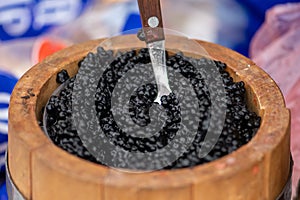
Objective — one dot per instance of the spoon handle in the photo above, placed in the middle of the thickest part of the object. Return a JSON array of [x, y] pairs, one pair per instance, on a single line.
[[151, 17]]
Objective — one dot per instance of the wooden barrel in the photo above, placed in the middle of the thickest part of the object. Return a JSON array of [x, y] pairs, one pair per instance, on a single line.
[[42, 171]]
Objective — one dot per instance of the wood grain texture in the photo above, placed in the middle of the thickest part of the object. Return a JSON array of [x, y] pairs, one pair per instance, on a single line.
[[151, 8], [42, 171]]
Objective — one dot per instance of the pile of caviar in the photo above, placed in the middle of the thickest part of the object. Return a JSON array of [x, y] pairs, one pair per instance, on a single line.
[[239, 127]]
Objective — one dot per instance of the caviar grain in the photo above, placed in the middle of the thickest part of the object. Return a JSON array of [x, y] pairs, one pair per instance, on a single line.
[[239, 128]]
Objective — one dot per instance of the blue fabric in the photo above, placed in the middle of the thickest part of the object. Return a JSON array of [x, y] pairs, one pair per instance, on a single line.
[[255, 10], [7, 83], [30, 18], [3, 193], [132, 24]]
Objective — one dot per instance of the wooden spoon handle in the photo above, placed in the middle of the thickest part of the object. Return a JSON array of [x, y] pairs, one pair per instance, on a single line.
[[151, 17]]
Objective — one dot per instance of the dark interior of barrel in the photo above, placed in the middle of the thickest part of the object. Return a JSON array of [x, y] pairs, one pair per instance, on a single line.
[[72, 68]]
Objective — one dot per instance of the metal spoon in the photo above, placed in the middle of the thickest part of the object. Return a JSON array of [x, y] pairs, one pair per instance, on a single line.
[[154, 36]]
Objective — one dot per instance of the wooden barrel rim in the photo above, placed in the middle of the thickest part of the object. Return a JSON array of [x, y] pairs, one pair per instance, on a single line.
[[24, 129]]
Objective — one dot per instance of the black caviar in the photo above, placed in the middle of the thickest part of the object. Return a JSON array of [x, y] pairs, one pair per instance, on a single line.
[[62, 76], [239, 127]]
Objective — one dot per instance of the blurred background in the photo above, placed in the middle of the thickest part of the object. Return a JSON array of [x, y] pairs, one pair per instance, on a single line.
[[26, 24], [32, 29]]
